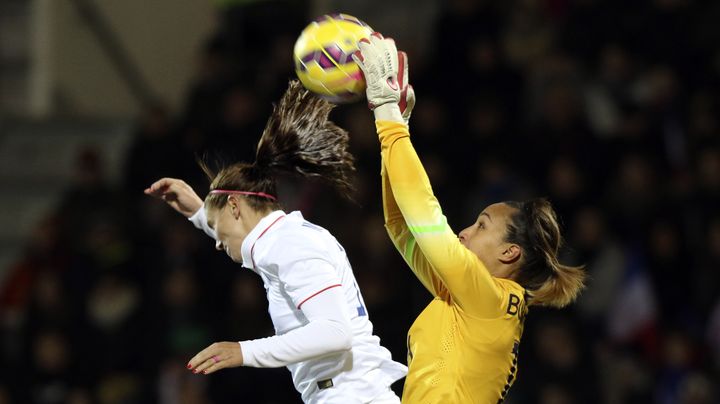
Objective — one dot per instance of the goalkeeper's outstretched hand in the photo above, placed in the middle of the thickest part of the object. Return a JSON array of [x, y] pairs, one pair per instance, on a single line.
[[378, 60]]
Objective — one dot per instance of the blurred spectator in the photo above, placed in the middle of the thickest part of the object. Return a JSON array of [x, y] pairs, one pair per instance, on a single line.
[[155, 152], [605, 262]]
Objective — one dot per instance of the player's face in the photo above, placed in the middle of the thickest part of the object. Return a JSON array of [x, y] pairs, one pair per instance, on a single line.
[[486, 237], [229, 230]]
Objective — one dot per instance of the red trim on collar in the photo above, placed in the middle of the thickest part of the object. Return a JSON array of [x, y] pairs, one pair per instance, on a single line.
[[258, 238]]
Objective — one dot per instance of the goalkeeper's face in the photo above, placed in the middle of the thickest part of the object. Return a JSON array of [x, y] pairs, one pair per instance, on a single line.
[[486, 238]]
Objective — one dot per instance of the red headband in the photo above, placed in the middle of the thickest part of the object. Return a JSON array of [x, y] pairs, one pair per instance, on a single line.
[[229, 191]]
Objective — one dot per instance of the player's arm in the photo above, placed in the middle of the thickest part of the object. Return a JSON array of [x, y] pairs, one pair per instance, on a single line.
[[310, 281], [395, 224], [405, 243], [466, 278], [327, 331], [308, 277], [181, 197]]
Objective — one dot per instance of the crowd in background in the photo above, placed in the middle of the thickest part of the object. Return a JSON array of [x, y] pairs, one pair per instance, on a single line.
[[608, 108]]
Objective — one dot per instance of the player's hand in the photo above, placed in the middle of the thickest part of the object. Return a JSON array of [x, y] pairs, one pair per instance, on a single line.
[[176, 193], [219, 355], [407, 94], [378, 60]]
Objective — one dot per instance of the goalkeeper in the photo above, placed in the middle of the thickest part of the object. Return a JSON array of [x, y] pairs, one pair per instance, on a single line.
[[463, 347]]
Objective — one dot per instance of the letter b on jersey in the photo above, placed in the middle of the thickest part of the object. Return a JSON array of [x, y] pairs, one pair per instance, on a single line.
[[513, 305]]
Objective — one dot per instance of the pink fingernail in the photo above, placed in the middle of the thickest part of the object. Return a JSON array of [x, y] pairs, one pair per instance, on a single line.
[[189, 366], [204, 372]]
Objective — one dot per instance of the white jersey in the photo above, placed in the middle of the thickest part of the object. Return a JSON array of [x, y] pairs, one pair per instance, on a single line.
[[299, 261]]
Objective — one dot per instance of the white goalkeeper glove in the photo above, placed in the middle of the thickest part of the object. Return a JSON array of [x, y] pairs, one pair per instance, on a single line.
[[378, 60]]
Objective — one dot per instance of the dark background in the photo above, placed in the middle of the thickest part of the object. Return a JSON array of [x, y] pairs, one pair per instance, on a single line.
[[608, 108]]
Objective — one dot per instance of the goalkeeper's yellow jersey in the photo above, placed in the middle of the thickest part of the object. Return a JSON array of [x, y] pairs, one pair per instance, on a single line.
[[463, 347]]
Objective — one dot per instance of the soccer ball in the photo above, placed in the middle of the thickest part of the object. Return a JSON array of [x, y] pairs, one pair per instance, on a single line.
[[323, 57]]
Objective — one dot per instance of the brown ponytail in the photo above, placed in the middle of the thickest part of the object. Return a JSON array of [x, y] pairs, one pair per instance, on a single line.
[[535, 229], [298, 139]]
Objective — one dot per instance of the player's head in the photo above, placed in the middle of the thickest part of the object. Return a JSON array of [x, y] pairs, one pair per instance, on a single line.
[[240, 195], [521, 241], [298, 139]]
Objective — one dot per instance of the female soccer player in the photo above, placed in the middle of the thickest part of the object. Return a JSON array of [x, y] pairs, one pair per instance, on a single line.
[[463, 347], [323, 333]]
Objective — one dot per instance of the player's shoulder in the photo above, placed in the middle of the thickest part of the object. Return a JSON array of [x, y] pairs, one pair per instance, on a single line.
[[509, 286], [297, 230], [298, 237]]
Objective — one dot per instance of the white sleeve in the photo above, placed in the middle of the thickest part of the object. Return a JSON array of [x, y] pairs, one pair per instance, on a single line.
[[328, 331], [199, 220]]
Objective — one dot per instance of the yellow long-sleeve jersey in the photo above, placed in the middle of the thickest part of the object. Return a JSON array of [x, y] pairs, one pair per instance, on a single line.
[[463, 347]]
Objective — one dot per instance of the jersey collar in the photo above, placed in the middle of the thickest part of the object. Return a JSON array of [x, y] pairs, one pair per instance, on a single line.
[[258, 231]]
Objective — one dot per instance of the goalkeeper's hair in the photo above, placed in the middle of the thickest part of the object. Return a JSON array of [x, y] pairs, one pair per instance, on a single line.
[[298, 139], [534, 227]]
